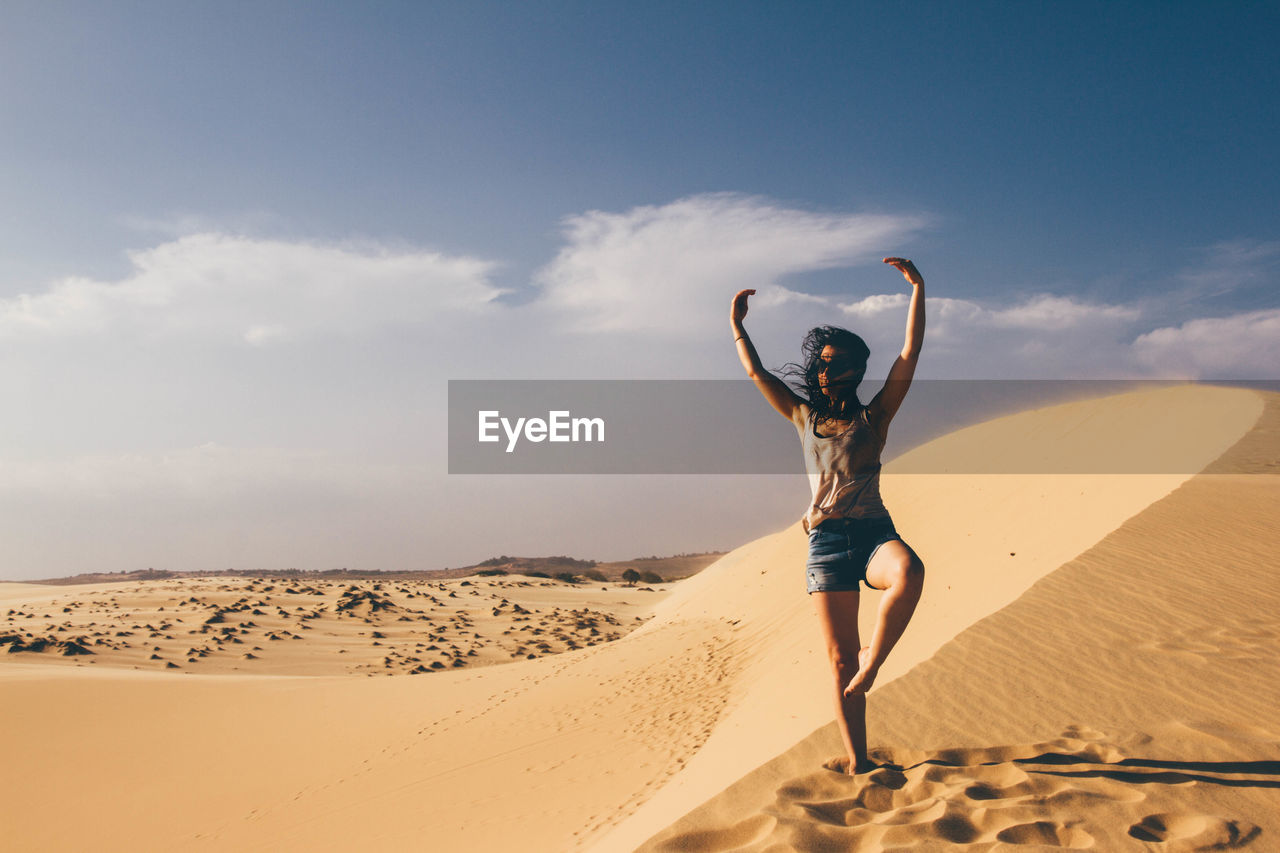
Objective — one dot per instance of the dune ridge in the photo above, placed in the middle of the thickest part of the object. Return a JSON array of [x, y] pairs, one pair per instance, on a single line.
[[598, 747], [985, 540], [1131, 697]]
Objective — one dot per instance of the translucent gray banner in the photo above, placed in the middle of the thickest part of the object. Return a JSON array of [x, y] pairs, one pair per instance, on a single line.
[[727, 427]]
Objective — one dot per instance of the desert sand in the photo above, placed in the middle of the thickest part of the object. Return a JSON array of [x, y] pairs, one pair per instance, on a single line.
[[1129, 700], [311, 626], [1092, 665]]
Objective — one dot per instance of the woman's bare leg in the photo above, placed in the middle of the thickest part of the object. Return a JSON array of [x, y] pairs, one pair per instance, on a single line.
[[897, 570], [838, 618]]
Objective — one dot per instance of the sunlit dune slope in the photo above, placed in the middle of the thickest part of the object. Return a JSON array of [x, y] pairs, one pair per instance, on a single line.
[[1130, 696]]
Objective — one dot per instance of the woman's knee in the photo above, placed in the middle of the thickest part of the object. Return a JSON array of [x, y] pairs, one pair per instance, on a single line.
[[907, 571]]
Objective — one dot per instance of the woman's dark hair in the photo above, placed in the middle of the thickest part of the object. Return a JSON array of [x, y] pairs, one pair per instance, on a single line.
[[804, 377]]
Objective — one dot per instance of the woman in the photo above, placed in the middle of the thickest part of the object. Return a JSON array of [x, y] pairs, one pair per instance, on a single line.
[[851, 536]]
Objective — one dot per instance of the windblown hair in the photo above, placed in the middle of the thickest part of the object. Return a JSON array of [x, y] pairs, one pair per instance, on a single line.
[[804, 377]]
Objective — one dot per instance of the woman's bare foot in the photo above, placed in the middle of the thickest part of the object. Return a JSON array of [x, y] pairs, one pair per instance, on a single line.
[[866, 675], [841, 765]]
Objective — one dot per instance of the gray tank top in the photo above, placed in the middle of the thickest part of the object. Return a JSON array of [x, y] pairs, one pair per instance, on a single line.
[[844, 471]]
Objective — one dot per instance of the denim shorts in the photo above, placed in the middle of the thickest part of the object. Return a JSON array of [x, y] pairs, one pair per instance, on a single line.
[[840, 549]]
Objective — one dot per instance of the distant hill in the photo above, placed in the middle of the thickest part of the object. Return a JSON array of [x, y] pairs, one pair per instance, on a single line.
[[676, 567]]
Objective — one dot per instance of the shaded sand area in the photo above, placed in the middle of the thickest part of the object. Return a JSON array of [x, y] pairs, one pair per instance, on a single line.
[[1129, 700], [603, 746], [313, 627]]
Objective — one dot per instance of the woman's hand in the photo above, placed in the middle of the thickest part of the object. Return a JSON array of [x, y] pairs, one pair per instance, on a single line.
[[908, 270], [739, 309]]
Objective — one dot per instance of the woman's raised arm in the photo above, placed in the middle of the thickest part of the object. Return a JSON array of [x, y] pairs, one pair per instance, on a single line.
[[904, 366], [774, 389]]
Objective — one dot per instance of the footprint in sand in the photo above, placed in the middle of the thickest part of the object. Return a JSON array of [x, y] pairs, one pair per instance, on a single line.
[[1202, 832], [1046, 833], [1065, 793]]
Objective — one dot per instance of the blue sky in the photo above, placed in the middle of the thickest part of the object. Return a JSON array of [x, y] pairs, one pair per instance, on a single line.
[[245, 244]]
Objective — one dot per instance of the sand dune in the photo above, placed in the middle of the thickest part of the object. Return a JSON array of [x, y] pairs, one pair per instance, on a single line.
[[603, 746], [985, 539], [1131, 696]]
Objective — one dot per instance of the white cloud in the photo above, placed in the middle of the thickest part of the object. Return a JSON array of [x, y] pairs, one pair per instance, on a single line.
[[1037, 311], [1243, 346], [1243, 252], [257, 291], [1048, 312], [1230, 265], [671, 269], [957, 314], [873, 306], [1043, 335], [776, 295], [1040, 311]]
